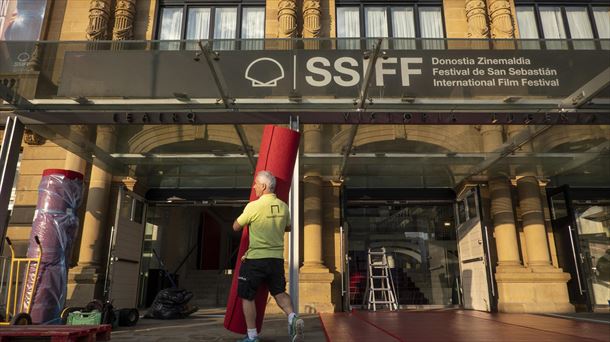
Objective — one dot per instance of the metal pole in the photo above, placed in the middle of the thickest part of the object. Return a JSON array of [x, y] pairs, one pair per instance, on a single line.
[[293, 251], [9, 156]]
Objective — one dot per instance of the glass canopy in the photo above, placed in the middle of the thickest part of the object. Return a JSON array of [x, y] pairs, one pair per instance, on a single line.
[[378, 156], [333, 80], [391, 112]]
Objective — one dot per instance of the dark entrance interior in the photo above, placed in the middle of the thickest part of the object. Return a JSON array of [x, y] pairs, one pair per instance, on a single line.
[[189, 235], [417, 228]]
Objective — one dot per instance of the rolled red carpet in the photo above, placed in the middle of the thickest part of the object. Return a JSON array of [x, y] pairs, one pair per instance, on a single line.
[[60, 193], [277, 154]]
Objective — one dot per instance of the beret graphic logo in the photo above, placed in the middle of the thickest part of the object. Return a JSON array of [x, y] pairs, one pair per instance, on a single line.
[[264, 72]]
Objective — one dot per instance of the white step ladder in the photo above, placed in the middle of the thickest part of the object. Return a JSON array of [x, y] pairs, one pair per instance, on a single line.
[[379, 287]]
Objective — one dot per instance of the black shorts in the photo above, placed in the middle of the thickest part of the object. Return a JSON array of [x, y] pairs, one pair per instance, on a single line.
[[255, 271]]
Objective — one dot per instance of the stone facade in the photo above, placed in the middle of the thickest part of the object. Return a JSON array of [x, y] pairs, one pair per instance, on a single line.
[[528, 282]]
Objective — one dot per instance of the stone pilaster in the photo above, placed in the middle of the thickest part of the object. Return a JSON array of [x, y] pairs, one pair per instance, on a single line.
[[287, 19], [492, 137], [315, 288], [533, 222], [86, 279], [124, 15], [539, 287], [476, 16], [501, 19], [505, 233], [74, 162], [99, 17], [311, 19], [312, 257]]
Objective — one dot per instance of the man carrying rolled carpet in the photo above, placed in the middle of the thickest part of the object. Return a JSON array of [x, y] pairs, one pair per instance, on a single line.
[[267, 219]]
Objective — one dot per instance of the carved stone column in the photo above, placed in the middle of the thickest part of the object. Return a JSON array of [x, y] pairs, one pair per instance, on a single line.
[[97, 203], [505, 232], [476, 15], [502, 212], [311, 19], [287, 18], [501, 19], [315, 279], [86, 280], [124, 15], [99, 17], [536, 241], [74, 162]]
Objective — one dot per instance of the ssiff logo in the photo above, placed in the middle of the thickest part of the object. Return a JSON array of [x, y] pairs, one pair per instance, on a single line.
[[264, 72]]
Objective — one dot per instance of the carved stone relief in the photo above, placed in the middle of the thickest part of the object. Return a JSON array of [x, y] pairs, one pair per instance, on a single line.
[[476, 15], [311, 19], [99, 16], [31, 138], [501, 19], [287, 18], [124, 15]]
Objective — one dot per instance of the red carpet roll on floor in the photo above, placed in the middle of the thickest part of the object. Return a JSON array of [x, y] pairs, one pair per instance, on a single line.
[[277, 154]]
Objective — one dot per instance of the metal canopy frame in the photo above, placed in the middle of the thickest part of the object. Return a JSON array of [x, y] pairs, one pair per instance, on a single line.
[[513, 144], [9, 156], [588, 91], [361, 102]]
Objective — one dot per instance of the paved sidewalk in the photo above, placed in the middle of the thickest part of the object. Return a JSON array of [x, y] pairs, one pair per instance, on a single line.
[[207, 325]]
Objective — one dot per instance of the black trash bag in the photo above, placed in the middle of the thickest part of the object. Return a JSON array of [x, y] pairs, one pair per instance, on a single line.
[[171, 304], [174, 296]]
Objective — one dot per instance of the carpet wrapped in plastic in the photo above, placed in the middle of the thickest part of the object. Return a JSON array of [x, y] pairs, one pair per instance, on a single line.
[[60, 193], [277, 154]]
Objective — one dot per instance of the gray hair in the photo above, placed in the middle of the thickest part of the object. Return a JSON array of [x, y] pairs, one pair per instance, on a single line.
[[266, 178]]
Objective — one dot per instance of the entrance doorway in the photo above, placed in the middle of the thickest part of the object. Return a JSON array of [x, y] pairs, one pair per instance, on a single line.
[[581, 230], [419, 236], [193, 240]]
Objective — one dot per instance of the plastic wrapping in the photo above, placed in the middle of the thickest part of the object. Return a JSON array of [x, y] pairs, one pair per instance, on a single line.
[[277, 154], [60, 193]]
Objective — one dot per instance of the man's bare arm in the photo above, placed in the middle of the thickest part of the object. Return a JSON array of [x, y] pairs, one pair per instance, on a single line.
[[236, 226]]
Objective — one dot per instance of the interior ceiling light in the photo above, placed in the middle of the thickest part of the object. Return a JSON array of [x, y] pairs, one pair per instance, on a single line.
[[175, 198]]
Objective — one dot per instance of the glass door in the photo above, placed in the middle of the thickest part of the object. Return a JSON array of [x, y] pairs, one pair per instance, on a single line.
[[568, 248], [593, 222], [477, 285], [420, 240], [123, 270]]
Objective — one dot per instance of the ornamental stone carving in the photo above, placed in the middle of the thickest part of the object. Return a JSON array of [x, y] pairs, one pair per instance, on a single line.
[[476, 15], [99, 16], [124, 14], [501, 19], [287, 18], [31, 138], [311, 19]]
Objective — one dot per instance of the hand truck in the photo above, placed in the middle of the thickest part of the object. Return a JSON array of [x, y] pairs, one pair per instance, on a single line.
[[14, 314]]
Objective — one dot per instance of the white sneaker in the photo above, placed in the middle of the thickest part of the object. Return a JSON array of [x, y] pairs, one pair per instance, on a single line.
[[297, 330]]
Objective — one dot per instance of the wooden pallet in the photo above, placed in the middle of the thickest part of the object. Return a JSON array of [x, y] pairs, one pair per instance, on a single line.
[[56, 333]]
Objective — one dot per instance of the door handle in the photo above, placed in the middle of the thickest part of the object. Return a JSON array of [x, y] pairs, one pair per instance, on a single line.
[[575, 260], [488, 262]]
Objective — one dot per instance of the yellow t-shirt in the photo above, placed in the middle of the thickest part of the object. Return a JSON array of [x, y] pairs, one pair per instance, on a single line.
[[267, 217]]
